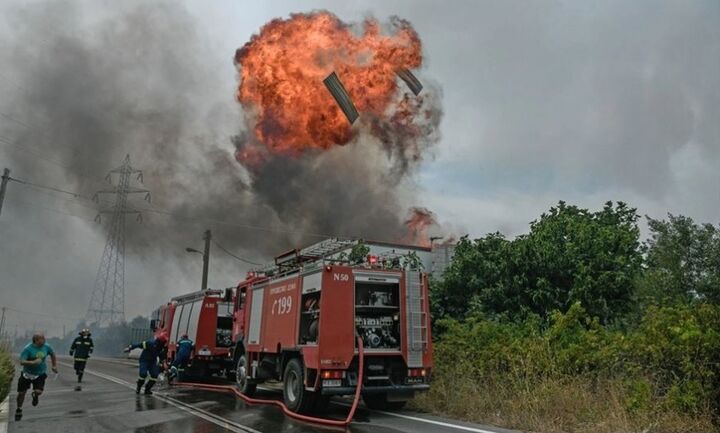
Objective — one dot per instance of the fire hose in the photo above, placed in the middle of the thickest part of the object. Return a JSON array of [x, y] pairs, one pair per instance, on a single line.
[[324, 421]]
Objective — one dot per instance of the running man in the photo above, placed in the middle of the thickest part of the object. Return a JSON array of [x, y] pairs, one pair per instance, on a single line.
[[185, 347], [152, 350], [34, 371], [81, 349]]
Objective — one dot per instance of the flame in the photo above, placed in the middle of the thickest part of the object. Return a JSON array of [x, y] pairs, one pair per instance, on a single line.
[[417, 225], [282, 70]]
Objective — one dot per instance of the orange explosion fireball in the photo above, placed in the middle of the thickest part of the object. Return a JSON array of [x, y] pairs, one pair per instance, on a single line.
[[417, 225], [282, 71]]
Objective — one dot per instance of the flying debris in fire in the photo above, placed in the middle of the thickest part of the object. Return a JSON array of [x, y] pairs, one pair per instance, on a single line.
[[411, 80], [284, 68], [336, 88]]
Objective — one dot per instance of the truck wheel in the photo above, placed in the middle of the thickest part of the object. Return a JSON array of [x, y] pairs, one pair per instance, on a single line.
[[246, 386], [380, 402], [296, 398]]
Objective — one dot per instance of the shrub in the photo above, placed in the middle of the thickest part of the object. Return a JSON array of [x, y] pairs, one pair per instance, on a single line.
[[7, 370], [574, 374]]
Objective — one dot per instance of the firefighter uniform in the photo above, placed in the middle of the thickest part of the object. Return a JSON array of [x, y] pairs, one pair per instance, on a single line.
[[185, 347], [148, 364], [80, 350]]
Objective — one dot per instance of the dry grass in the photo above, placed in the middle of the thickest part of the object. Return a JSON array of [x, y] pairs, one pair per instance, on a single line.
[[555, 406]]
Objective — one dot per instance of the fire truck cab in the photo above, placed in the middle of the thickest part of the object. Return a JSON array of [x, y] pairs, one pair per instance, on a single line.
[[206, 317], [298, 321]]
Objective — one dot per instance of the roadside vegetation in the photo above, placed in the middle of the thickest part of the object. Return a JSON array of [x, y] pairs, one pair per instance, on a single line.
[[7, 370], [577, 326]]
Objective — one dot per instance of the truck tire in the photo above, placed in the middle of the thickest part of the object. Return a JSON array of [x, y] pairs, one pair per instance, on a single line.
[[244, 383], [380, 402], [296, 398]]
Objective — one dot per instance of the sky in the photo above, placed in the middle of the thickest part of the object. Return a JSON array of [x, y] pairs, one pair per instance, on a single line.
[[542, 101]]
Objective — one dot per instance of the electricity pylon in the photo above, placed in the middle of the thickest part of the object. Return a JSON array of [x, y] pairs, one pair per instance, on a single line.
[[107, 302]]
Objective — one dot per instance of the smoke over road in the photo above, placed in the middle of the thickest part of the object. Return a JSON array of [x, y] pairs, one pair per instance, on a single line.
[[140, 80]]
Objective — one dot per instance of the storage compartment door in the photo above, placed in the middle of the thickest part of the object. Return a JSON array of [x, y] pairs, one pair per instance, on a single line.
[[256, 310]]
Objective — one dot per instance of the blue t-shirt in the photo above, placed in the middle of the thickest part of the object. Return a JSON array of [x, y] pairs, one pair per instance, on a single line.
[[31, 352]]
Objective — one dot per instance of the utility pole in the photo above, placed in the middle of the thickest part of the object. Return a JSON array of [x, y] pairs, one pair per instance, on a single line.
[[207, 237], [206, 258], [3, 186], [2, 320]]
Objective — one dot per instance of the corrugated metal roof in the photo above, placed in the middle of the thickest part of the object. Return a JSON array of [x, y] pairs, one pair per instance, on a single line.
[[336, 88], [411, 80]]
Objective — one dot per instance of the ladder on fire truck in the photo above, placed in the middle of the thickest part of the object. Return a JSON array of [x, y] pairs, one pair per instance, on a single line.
[[417, 328], [296, 258]]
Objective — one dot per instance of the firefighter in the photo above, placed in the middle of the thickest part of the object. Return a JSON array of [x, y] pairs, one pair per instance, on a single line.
[[185, 347], [81, 349], [152, 350]]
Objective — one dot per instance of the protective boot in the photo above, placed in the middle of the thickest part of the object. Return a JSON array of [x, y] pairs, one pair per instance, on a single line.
[[149, 386], [172, 374], [140, 383], [80, 375]]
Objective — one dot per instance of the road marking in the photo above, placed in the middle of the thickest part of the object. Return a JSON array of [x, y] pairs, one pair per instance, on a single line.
[[118, 361], [425, 420], [200, 413], [109, 360], [440, 423]]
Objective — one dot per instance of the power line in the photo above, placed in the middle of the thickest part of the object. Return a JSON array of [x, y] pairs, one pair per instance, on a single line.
[[12, 119], [41, 155], [49, 188], [48, 209], [6, 141], [233, 255]]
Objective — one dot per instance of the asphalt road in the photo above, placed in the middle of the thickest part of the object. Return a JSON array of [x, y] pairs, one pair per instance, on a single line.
[[107, 403]]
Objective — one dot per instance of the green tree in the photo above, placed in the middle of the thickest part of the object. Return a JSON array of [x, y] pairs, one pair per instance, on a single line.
[[358, 253], [683, 262], [570, 255], [477, 265], [574, 255]]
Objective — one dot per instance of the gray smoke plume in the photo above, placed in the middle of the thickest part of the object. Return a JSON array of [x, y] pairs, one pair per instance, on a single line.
[[141, 81]]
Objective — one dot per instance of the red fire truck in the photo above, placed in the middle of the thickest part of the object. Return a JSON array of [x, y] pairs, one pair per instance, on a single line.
[[297, 321], [207, 318]]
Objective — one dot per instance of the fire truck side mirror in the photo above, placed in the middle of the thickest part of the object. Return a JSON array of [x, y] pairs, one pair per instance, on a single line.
[[228, 295], [153, 325]]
